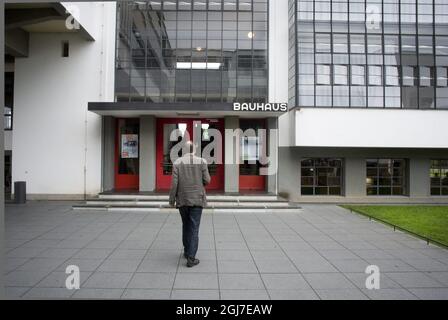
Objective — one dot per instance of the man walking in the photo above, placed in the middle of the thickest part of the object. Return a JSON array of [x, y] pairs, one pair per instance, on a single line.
[[190, 176]]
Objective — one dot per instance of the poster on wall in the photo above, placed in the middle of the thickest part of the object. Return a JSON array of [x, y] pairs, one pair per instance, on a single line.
[[249, 148], [129, 146]]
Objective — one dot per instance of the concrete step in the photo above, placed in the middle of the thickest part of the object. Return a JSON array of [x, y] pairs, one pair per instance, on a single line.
[[164, 197], [159, 202]]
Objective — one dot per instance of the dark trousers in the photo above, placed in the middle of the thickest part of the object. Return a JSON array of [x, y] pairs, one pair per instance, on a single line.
[[191, 219]]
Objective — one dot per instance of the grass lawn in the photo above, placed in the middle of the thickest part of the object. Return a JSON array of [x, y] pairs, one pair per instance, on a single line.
[[427, 221]]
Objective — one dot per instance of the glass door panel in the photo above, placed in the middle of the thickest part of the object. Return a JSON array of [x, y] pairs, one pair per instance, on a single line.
[[164, 164], [250, 148], [127, 156]]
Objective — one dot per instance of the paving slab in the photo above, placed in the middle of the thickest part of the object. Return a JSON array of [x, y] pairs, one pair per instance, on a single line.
[[152, 281], [108, 280], [320, 252], [196, 281]]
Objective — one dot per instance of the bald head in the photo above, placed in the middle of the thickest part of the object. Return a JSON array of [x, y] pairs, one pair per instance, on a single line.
[[189, 147]]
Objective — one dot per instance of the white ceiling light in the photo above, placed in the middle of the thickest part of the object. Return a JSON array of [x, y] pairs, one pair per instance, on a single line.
[[198, 65], [250, 35]]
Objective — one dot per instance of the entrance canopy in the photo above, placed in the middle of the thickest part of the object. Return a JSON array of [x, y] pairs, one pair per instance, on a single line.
[[181, 109]]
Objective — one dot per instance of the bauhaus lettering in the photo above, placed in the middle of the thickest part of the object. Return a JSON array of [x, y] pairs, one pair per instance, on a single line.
[[272, 107]]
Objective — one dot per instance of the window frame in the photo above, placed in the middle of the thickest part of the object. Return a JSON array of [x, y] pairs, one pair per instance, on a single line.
[[314, 168], [442, 166], [378, 177]]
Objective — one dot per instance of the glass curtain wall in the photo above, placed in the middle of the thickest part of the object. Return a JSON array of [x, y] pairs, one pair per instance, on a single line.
[[187, 51], [369, 53]]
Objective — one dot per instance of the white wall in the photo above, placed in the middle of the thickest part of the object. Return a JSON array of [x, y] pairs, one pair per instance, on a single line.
[[88, 14], [380, 128], [278, 62], [56, 141]]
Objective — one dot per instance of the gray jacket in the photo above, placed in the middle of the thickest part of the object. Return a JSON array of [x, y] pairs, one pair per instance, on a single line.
[[190, 176]]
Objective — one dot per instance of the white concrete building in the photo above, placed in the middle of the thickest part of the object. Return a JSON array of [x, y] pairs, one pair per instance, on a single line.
[[92, 107]]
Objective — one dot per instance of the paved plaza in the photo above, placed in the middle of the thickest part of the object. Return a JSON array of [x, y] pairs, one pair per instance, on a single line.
[[319, 252]]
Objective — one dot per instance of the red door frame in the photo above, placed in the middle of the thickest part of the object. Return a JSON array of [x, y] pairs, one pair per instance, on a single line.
[[163, 182], [124, 181], [254, 183]]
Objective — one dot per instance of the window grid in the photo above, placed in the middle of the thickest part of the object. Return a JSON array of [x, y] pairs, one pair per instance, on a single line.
[[211, 51], [439, 177], [416, 33], [386, 177], [321, 176]]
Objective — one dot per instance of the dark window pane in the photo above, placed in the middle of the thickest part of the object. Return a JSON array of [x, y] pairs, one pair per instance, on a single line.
[[439, 177], [388, 174], [384, 191], [324, 174], [321, 191], [397, 191], [307, 191], [307, 181], [335, 191]]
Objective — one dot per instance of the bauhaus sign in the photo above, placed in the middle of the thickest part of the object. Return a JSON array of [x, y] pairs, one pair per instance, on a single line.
[[260, 107]]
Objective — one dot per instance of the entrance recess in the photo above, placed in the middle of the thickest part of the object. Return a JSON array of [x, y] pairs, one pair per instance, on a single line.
[[164, 145], [250, 147], [127, 154]]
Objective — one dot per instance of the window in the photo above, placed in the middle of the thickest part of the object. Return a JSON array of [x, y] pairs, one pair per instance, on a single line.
[[323, 74], [321, 176], [374, 44], [401, 64], [357, 43], [442, 77], [65, 49], [192, 51], [8, 119], [392, 77], [439, 177], [408, 76], [358, 75], [340, 43], [250, 147], [340, 74], [386, 177], [375, 76], [323, 42], [425, 77], [128, 146]]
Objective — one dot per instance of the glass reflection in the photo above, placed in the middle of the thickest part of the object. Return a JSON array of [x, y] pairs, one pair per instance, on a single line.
[[402, 57], [190, 51]]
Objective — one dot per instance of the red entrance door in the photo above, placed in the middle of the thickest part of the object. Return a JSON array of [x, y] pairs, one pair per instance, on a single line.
[[127, 154], [164, 145], [250, 178]]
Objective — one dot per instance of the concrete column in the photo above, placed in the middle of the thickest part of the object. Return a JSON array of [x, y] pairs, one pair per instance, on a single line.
[[109, 133], [355, 177], [419, 181], [147, 176], [289, 172], [231, 147], [271, 180]]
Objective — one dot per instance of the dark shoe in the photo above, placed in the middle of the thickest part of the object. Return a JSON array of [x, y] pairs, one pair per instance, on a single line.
[[191, 262]]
